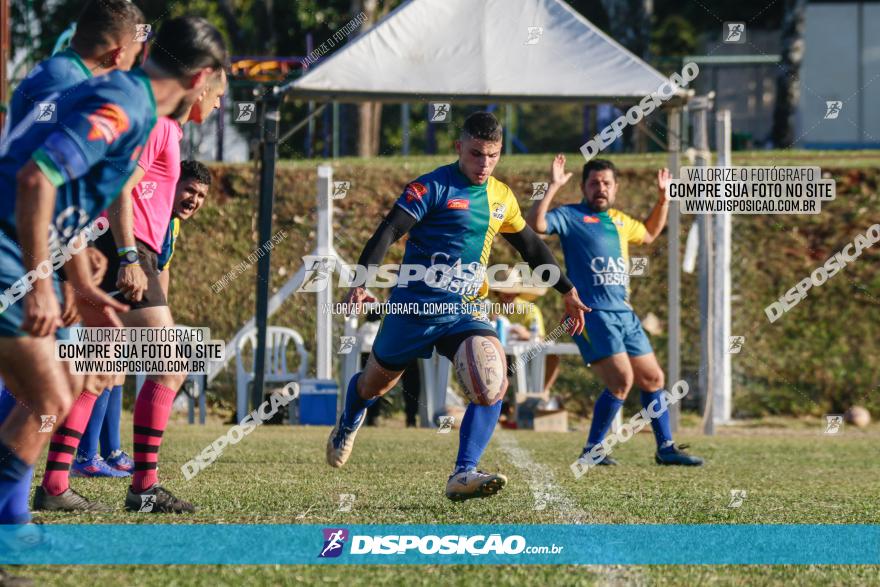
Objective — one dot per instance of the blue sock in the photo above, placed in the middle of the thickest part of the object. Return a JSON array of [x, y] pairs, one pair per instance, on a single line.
[[7, 403], [88, 444], [476, 430], [355, 405], [110, 441], [15, 510], [604, 411], [660, 424], [12, 471]]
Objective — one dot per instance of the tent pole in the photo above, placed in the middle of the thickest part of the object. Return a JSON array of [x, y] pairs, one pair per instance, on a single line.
[[221, 130], [271, 119], [310, 132], [404, 123], [325, 130], [585, 134], [336, 130], [310, 135], [430, 138], [508, 130], [673, 234]]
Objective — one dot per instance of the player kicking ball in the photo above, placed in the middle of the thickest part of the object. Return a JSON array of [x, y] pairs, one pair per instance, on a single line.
[[595, 240], [452, 216]]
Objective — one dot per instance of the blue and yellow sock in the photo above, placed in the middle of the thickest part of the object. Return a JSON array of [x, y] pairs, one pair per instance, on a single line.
[[476, 431], [110, 440], [355, 405], [88, 444], [604, 411], [661, 424]]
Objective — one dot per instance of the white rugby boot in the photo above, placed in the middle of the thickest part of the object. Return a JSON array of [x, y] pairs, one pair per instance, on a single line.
[[470, 484], [341, 441]]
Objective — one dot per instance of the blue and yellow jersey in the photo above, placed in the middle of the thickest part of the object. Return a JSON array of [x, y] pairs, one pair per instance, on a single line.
[[169, 243], [47, 82], [457, 222], [596, 250], [88, 153]]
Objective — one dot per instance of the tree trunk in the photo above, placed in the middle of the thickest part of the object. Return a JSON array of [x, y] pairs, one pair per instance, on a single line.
[[369, 128], [788, 91], [369, 113], [377, 127]]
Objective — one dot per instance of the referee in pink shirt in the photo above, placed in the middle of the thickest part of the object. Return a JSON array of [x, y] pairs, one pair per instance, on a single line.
[[139, 220]]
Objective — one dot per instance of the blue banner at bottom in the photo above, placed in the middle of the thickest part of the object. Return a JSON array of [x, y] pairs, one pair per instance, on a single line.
[[165, 544]]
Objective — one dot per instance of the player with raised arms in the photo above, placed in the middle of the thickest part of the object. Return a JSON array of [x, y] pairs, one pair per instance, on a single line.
[[595, 241], [63, 176], [452, 216]]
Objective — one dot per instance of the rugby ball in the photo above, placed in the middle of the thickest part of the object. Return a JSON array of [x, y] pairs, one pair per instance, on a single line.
[[858, 416], [479, 368]]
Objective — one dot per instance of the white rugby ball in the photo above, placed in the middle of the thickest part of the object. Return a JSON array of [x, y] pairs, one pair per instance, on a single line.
[[858, 415], [479, 368]]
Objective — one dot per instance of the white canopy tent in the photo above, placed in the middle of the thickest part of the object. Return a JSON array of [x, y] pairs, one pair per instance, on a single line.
[[482, 51]]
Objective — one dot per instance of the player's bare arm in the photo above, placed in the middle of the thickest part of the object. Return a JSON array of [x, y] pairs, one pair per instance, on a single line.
[[537, 216], [69, 313], [33, 213], [97, 267], [656, 222], [94, 306], [132, 281]]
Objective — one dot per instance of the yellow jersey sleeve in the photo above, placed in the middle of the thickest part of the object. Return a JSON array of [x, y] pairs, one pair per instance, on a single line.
[[631, 229], [513, 219]]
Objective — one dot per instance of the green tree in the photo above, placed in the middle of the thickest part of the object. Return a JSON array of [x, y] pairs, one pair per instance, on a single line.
[[675, 36]]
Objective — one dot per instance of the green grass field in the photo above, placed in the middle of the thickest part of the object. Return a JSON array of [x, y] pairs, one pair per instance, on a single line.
[[792, 472]]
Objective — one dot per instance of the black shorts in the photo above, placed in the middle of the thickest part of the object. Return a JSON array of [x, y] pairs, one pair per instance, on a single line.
[[153, 295]]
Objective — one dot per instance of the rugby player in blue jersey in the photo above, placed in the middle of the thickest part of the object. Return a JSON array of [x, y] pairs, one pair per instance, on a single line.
[[103, 42], [62, 175], [452, 216], [595, 241]]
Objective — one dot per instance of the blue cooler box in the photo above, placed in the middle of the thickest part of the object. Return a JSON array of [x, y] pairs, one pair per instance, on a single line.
[[317, 402]]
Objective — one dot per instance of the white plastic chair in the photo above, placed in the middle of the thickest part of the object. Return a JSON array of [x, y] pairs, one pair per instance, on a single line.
[[278, 338]]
